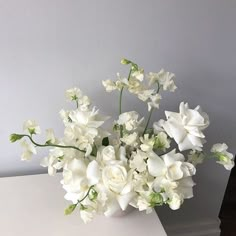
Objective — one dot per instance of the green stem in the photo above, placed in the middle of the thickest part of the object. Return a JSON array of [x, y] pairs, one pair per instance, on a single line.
[[91, 187], [149, 117], [121, 93], [50, 145]]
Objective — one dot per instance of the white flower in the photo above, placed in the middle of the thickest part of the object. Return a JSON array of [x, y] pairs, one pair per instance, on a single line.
[[108, 154], [186, 127], [138, 74], [175, 200], [129, 120], [154, 101], [50, 136], [138, 161], [195, 157], [84, 103], [170, 165], [165, 79], [158, 126], [145, 94], [161, 141], [147, 143], [78, 177], [73, 94], [130, 139], [109, 85], [29, 150], [224, 158], [32, 127], [54, 161], [87, 214], [115, 177]]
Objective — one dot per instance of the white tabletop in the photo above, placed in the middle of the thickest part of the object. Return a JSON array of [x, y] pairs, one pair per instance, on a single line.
[[34, 206]]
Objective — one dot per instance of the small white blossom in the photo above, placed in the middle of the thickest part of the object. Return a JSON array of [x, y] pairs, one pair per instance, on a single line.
[[29, 150], [154, 101], [73, 94], [138, 161], [109, 85], [130, 139], [195, 157], [165, 79], [224, 158], [32, 127], [161, 141], [50, 136], [147, 143], [129, 120]]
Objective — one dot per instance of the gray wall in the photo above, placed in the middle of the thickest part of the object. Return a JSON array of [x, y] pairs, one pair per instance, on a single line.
[[47, 46]]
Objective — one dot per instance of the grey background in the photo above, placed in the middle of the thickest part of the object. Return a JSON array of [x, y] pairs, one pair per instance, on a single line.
[[48, 46]]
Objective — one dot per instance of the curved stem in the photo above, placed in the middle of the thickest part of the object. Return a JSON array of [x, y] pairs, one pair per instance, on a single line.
[[50, 145], [121, 93], [90, 188], [149, 117]]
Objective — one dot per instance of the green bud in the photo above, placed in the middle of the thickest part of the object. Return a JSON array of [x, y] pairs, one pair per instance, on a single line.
[[15, 137], [156, 199], [125, 61], [70, 209], [93, 195]]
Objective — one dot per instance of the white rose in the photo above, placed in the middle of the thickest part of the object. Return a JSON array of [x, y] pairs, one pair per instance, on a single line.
[[114, 177]]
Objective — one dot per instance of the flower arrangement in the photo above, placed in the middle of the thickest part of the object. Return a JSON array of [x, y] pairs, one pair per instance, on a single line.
[[105, 171]]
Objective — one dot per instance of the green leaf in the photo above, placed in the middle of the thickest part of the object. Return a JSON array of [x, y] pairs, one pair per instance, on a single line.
[[70, 209], [105, 141], [15, 137]]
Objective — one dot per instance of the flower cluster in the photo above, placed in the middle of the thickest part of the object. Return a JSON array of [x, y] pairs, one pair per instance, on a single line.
[[137, 164]]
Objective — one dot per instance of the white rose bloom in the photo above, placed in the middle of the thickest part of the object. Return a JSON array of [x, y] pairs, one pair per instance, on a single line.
[[73, 94], [29, 150], [32, 127], [224, 158], [138, 161], [115, 177], [109, 85], [186, 127], [129, 120]]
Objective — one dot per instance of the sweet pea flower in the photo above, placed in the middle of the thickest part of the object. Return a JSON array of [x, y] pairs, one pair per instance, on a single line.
[[29, 150], [186, 127], [32, 127], [224, 158], [129, 120]]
